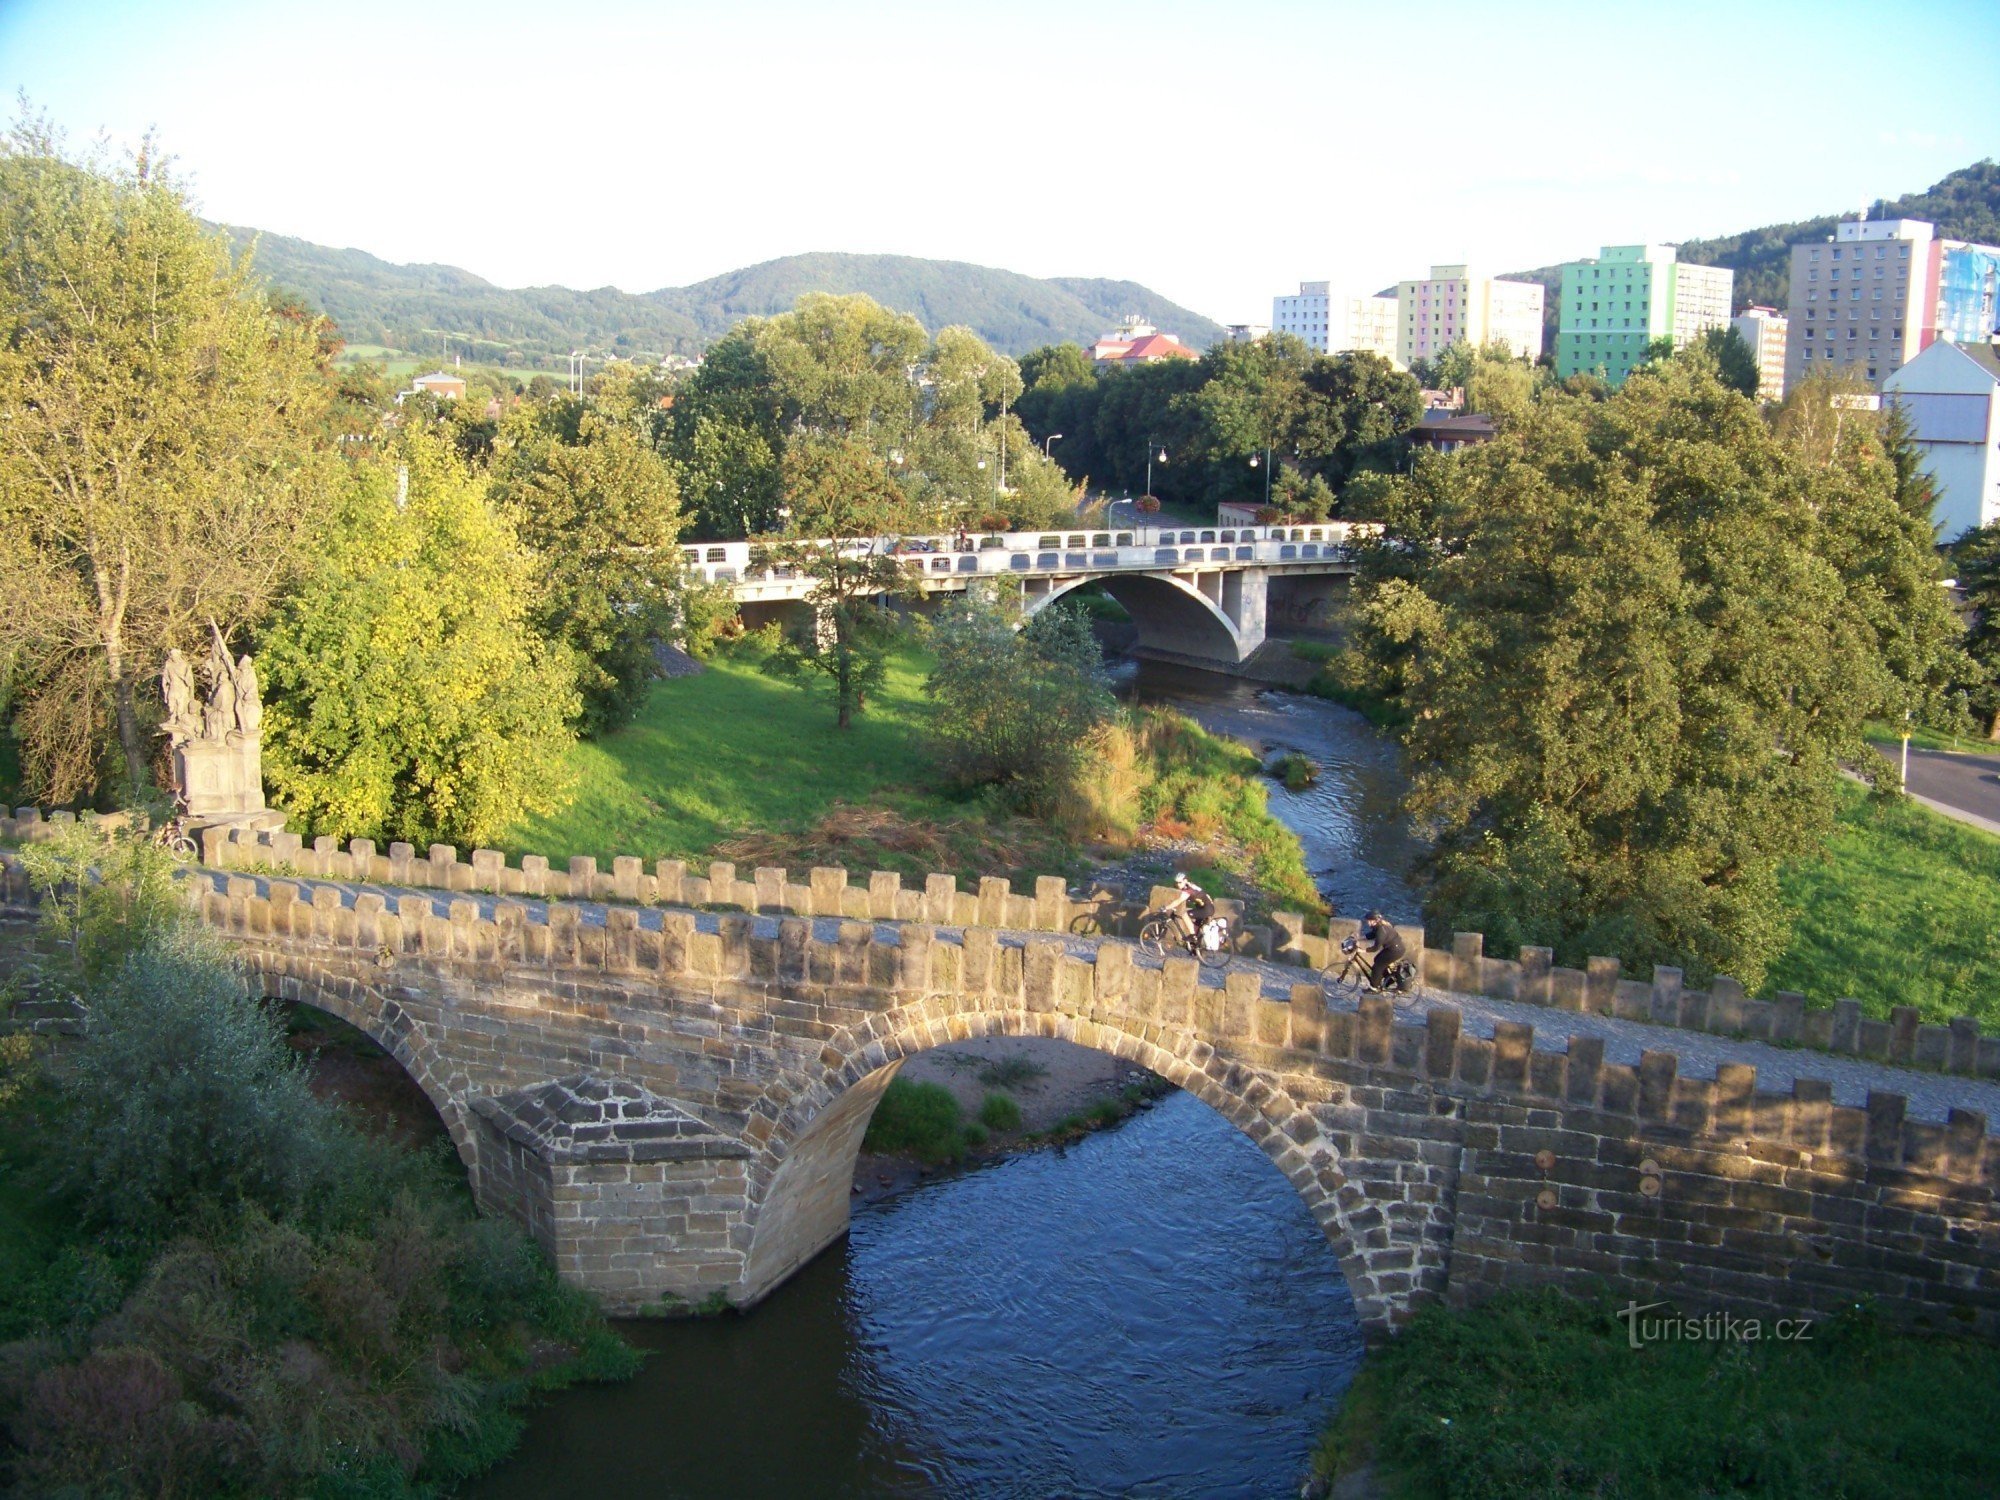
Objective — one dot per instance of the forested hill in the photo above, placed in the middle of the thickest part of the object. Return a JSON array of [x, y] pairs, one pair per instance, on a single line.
[[417, 307], [1963, 206]]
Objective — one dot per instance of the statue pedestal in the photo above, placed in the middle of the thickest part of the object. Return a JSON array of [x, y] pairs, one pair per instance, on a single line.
[[220, 780]]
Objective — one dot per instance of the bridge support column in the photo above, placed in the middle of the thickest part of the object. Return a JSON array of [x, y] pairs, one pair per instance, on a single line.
[[1245, 598]]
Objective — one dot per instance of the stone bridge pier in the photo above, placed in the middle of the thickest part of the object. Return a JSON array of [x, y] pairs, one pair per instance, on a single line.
[[671, 1101]]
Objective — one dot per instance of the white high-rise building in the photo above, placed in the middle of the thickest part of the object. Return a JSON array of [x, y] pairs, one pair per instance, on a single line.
[[1763, 329], [1337, 322]]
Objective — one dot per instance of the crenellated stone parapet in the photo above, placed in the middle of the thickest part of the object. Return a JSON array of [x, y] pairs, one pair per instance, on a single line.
[[1600, 988]]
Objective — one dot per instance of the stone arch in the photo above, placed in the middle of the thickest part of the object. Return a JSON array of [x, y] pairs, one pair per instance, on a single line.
[[811, 1128], [1170, 613], [378, 1017]]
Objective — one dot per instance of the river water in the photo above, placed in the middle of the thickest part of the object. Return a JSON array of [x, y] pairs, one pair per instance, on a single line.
[[1150, 1312]]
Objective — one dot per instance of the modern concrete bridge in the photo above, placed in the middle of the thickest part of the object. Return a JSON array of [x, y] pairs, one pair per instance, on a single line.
[[666, 1076], [1193, 591]]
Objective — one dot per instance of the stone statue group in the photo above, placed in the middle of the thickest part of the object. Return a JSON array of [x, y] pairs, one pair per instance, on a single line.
[[231, 713]]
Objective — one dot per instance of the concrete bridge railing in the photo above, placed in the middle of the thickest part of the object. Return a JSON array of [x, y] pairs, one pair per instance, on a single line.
[[1600, 988], [939, 561], [672, 1101]]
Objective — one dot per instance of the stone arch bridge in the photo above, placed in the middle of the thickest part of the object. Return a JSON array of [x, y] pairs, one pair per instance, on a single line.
[[1201, 592], [671, 1099]]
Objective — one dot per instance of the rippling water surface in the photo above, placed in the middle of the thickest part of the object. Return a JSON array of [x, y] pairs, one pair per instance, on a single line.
[[1149, 1312]]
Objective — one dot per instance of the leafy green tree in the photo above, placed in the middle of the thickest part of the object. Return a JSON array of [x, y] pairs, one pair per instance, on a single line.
[[1977, 561], [162, 448], [1015, 707], [1636, 639], [1735, 365], [837, 489], [407, 695], [598, 508]]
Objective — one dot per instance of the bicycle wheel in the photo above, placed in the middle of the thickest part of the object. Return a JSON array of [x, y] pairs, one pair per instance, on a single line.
[[1211, 958], [1351, 978], [182, 848], [1153, 937]]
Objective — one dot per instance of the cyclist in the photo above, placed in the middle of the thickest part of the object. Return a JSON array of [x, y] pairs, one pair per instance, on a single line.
[[1383, 944], [1190, 907]]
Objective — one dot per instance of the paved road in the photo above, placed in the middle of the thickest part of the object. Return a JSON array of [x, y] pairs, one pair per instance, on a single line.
[[1930, 1095], [1964, 786]]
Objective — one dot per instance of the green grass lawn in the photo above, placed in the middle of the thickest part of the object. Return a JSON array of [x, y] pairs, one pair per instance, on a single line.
[[1904, 910], [1538, 1395], [734, 751], [1885, 733]]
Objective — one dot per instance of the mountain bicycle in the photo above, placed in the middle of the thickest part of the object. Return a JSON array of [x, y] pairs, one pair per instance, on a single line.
[[173, 835], [1349, 971], [1160, 934]]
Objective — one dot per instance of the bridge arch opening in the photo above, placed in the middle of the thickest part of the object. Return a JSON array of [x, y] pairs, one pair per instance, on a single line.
[[800, 1204], [1170, 613], [380, 1021]]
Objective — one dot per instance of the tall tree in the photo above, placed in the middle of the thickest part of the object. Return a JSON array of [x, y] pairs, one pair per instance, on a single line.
[[1977, 560], [162, 447], [1735, 365], [1637, 638], [837, 489], [407, 695], [597, 507]]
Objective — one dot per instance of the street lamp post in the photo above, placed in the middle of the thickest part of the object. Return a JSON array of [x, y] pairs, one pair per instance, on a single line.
[[1162, 456], [1047, 441], [1267, 474]]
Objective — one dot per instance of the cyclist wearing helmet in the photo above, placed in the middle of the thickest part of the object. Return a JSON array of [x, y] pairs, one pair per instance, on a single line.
[[1383, 944], [1190, 907]]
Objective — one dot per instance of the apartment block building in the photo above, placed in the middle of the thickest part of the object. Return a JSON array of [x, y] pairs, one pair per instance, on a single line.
[[1613, 307], [1454, 303], [1764, 330], [1861, 302], [1333, 321]]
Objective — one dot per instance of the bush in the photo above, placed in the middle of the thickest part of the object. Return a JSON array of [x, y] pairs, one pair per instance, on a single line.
[[922, 1119], [1296, 771], [182, 1094], [999, 1112]]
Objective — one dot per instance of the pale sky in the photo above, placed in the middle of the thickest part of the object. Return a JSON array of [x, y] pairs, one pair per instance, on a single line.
[[1217, 153]]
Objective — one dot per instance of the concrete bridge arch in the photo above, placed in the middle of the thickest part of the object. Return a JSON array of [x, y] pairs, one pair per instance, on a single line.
[[799, 1188], [1177, 616]]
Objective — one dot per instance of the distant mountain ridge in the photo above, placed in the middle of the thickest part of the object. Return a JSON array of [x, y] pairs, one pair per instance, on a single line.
[[1964, 205], [420, 307]]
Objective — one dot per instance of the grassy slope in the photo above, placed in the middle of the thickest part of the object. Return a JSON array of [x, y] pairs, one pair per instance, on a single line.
[[1537, 1395], [730, 751], [1905, 910]]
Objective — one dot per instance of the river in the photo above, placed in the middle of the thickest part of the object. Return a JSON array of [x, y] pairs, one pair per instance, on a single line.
[[1150, 1312]]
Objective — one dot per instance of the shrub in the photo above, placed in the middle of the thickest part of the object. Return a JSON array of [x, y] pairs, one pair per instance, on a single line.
[[999, 1112], [181, 1093], [922, 1119], [1011, 1072], [103, 894], [1296, 771]]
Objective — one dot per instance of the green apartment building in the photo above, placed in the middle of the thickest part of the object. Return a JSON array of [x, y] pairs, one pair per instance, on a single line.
[[1613, 307]]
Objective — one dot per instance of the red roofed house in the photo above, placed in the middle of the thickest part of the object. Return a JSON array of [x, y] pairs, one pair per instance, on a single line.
[[1139, 343]]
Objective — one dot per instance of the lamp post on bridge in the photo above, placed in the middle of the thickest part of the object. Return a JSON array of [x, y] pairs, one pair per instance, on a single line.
[[1149, 463]]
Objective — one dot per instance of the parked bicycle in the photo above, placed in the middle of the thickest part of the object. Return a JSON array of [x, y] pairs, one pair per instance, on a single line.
[[174, 837], [1348, 971], [1160, 934]]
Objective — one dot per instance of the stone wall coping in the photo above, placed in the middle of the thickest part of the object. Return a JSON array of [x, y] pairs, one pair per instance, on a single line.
[[1599, 988]]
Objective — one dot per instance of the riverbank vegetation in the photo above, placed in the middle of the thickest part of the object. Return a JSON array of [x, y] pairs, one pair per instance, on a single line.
[[213, 1283], [1538, 1395]]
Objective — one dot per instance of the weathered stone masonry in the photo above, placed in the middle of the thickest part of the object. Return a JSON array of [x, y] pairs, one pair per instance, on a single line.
[[673, 1109]]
